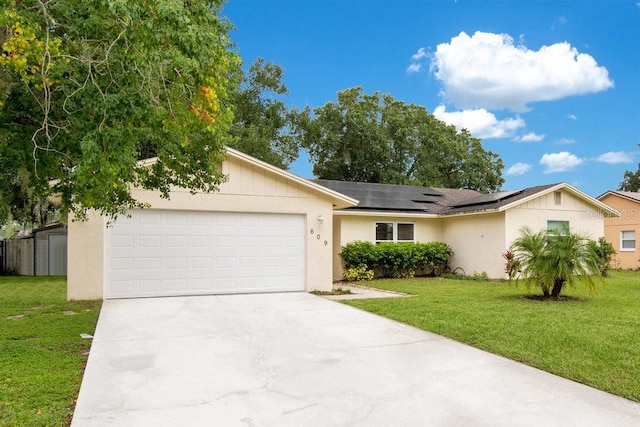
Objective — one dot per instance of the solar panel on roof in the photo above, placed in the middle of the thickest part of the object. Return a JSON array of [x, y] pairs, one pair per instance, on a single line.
[[488, 198], [385, 196]]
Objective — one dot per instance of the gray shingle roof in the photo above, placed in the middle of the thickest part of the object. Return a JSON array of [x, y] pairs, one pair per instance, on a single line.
[[416, 199]]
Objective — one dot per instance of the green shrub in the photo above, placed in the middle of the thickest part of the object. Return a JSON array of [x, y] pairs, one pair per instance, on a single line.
[[358, 274], [396, 259], [359, 253], [605, 252]]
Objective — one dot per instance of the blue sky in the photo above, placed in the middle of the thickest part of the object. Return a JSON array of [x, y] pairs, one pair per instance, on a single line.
[[552, 86]]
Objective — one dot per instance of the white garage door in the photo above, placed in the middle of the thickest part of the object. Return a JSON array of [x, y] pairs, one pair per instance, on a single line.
[[170, 253]]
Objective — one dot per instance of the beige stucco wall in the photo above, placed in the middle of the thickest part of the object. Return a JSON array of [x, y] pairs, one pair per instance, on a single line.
[[629, 220], [362, 226], [250, 188], [584, 218], [477, 241]]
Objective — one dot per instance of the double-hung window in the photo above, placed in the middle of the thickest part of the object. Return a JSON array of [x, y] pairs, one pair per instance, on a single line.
[[558, 227], [395, 232], [628, 240]]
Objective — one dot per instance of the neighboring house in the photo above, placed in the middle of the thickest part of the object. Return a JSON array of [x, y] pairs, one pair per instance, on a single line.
[[623, 231], [268, 230], [43, 252], [478, 227]]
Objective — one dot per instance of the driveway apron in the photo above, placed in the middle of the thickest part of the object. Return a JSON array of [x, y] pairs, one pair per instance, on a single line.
[[295, 359]]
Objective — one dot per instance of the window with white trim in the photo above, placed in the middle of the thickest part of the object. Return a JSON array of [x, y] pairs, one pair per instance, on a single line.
[[628, 240], [395, 232], [557, 226]]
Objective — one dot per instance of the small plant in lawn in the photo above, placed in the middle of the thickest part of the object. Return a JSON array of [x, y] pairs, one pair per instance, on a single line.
[[605, 252], [511, 266], [553, 258]]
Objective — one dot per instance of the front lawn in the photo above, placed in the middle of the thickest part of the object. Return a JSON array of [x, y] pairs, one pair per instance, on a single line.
[[595, 340], [42, 355]]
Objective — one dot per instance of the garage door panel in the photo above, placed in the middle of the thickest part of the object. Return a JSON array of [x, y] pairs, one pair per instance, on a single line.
[[162, 253]]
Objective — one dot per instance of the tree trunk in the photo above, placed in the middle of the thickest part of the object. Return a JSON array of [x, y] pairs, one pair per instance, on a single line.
[[545, 290], [557, 287]]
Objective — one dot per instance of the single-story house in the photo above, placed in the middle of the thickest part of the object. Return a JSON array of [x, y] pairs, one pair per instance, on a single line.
[[269, 230], [621, 231], [478, 227]]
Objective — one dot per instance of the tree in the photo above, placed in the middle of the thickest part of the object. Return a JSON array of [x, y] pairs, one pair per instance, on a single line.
[[87, 89], [375, 138], [261, 118], [553, 258], [631, 180]]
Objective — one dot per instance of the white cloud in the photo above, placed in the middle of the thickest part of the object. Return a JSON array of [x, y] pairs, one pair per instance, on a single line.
[[480, 123], [416, 61], [414, 68], [572, 117], [559, 162], [420, 54], [561, 20], [488, 70], [530, 137], [519, 169], [615, 157], [565, 141]]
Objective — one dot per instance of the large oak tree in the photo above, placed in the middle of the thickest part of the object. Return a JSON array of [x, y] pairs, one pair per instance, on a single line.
[[89, 88], [376, 138], [261, 117]]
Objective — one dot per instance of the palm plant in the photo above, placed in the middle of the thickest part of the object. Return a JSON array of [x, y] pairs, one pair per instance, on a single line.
[[552, 258]]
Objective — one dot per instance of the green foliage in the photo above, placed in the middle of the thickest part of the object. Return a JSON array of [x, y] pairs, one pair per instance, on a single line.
[[89, 88], [358, 274], [552, 258], [358, 253], [476, 276], [43, 355], [605, 252], [631, 180], [375, 138], [261, 118], [396, 259]]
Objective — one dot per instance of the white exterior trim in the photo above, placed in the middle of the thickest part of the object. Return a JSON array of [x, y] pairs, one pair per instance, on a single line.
[[340, 200]]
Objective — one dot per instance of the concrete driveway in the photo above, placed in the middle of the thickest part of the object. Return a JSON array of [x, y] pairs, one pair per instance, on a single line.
[[296, 359]]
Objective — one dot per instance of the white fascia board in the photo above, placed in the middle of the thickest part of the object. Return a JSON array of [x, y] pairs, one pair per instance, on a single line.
[[381, 214]]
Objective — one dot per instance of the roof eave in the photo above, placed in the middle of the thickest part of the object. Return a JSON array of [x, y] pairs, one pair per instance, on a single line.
[[381, 214], [571, 189], [619, 194]]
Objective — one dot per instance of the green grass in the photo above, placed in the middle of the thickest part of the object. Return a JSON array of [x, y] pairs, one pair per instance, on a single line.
[[42, 355], [594, 340]]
